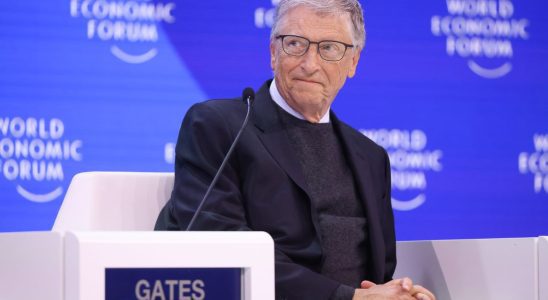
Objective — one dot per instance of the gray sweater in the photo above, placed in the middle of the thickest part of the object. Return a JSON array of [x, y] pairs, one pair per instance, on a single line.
[[341, 216]]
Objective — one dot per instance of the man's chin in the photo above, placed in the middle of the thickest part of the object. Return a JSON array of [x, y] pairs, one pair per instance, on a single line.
[[308, 91], [308, 99]]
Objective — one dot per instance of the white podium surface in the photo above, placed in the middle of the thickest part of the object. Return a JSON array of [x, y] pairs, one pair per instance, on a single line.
[[473, 269], [543, 267], [89, 253]]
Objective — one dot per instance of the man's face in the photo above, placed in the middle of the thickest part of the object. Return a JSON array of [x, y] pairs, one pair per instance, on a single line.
[[309, 83]]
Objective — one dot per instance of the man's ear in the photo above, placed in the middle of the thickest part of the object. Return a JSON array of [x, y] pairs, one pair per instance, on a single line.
[[354, 65], [272, 55]]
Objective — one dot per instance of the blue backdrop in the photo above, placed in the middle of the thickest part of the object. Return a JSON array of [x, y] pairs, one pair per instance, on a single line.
[[455, 90]]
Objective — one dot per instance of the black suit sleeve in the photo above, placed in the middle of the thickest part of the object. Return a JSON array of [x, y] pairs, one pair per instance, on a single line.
[[203, 141], [204, 138], [388, 225]]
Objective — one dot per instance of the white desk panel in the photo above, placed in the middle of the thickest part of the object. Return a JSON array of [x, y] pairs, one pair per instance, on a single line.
[[543, 267], [31, 265], [497, 269]]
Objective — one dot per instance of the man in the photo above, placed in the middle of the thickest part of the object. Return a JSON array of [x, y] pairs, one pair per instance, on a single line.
[[318, 187]]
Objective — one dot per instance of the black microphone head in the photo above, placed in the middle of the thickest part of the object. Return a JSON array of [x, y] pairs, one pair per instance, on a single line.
[[248, 93]]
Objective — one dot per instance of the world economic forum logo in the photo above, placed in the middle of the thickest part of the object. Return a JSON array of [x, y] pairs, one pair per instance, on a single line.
[[483, 33], [32, 154], [411, 161], [124, 21], [536, 162], [264, 16]]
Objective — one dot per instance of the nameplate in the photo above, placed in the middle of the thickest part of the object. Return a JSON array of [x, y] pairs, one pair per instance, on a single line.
[[173, 283]]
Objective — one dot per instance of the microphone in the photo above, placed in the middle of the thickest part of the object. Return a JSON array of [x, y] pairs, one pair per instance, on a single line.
[[248, 95]]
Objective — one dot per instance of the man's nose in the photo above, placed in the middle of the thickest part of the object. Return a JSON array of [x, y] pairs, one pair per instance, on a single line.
[[311, 59]]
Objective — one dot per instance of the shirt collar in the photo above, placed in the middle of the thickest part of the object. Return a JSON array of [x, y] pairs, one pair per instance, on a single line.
[[275, 94]]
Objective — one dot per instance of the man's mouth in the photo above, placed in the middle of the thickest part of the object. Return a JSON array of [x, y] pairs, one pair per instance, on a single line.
[[307, 80]]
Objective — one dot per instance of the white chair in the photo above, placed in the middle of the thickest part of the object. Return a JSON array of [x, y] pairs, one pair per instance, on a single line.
[[114, 201]]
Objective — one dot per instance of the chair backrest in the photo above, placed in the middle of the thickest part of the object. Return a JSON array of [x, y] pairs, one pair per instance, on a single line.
[[114, 201]]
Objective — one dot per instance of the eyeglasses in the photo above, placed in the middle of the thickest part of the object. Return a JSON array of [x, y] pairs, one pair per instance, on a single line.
[[329, 50]]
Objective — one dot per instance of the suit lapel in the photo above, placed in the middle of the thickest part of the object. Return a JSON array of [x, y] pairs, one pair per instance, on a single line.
[[274, 137], [361, 169]]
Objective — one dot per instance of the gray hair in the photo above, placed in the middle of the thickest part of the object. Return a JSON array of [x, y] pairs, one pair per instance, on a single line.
[[329, 7]]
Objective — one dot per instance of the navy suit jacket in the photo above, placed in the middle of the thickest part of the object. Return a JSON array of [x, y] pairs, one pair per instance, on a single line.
[[263, 188]]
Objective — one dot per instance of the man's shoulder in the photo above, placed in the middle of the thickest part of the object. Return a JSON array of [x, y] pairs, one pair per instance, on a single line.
[[217, 108], [226, 104], [362, 140]]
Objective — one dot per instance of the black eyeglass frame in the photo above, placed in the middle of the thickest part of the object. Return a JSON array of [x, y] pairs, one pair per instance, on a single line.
[[346, 46]]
